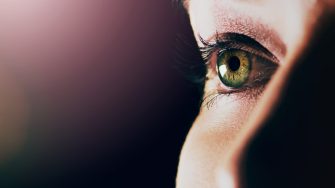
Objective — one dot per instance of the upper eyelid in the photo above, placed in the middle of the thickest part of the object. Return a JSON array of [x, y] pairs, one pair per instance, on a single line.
[[235, 41]]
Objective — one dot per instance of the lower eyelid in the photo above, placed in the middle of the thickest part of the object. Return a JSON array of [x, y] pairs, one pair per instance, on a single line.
[[213, 98], [252, 91]]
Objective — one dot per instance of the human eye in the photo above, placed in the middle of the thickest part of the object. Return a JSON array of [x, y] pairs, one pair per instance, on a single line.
[[241, 64]]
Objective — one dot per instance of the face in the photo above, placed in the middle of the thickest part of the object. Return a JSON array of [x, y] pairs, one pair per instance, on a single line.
[[249, 48]]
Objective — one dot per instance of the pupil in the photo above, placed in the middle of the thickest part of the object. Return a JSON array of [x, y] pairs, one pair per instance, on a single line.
[[234, 63]]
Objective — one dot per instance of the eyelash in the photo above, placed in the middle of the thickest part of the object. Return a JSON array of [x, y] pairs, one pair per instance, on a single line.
[[227, 41], [234, 41]]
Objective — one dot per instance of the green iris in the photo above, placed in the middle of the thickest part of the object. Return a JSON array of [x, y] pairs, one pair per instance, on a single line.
[[233, 68]]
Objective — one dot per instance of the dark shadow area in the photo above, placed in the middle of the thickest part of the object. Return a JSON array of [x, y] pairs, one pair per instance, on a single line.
[[121, 120], [295, 147]]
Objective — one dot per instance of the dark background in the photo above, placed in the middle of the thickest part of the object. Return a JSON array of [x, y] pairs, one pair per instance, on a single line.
[[109, 113]]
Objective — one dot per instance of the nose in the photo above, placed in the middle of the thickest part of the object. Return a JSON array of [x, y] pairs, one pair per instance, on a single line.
[[290, 139]]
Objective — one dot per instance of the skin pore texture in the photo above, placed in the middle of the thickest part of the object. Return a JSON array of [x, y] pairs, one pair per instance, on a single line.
[[221, 130]]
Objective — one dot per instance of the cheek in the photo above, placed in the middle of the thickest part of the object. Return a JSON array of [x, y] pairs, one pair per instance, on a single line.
[[209, 139]]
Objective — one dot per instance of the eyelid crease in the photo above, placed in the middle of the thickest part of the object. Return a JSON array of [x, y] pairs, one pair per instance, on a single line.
[[233, 21]]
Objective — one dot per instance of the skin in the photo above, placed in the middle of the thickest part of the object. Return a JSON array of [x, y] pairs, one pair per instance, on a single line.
[[218, 138], [221, 133]]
